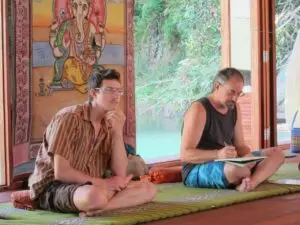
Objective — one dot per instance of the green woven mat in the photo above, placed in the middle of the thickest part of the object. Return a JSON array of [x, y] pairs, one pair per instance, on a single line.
[[173, 200]]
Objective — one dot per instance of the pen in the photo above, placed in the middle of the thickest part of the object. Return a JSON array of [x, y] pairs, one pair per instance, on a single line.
[[226, 145]]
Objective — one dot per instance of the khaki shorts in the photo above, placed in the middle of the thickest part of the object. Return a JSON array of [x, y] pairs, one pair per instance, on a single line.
[[58, 197]]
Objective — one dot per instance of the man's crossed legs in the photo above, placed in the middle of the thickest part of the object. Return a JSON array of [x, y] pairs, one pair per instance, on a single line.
[[90, 200], [223, 175]]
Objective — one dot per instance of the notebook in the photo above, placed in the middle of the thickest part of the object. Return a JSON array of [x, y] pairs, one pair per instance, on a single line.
[[244, 161], [285, 181]]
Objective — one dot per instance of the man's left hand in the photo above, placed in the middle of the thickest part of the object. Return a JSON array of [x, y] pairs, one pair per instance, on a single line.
[[269, 151], [117, 183], [117, 120]]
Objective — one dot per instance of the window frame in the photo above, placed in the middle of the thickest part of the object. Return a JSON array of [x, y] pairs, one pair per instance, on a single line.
[[5, 97]]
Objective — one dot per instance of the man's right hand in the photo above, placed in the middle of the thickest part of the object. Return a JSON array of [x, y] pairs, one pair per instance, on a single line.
[[117, 183], [227, 152], [99, 183]]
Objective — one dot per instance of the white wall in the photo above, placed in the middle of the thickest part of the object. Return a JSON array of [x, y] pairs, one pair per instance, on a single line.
[[240, 26]]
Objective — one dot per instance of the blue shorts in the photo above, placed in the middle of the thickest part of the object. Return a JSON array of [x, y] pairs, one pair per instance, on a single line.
[[208, 175]]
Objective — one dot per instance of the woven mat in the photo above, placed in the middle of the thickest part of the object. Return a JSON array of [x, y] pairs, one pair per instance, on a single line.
[[173, 200]]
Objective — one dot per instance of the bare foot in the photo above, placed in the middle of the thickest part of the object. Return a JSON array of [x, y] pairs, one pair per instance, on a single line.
[[245, 185], [82, 214], [91, 213]]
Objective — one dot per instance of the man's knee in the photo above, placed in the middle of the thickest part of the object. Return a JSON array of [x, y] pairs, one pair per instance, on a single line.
[[277, 156], [90, 197], [235, 174], [148, 190]]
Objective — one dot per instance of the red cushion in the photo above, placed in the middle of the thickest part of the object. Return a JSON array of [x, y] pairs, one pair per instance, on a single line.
[[159, 175], [21, 200]]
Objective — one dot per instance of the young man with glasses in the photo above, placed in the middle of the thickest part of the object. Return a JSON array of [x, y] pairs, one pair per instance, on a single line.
[[79, 144], [213, 130]]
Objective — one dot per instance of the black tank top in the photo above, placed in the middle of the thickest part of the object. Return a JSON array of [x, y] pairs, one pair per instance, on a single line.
[[218, 130]]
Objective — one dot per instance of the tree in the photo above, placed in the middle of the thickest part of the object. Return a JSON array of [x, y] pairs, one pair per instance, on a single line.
[[177, 51]]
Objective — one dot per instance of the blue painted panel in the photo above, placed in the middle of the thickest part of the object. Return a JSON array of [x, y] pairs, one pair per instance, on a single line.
[[43, 56]]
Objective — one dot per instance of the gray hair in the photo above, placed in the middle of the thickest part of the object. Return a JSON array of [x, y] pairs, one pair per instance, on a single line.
[[225, 74]]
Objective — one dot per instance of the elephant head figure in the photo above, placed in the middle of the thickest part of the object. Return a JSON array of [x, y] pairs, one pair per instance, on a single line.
[[80, 10]]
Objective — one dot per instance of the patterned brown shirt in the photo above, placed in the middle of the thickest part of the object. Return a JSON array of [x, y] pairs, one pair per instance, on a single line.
[[71, 135]]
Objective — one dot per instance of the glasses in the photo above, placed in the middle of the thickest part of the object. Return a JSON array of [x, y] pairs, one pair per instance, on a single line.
[[111, 91], [233, 93]]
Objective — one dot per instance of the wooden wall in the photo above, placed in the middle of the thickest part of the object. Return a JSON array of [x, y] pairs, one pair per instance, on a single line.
[[245, 103]]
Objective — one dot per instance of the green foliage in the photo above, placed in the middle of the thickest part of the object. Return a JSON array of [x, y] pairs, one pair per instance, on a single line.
[[287, 26], [177, 51]]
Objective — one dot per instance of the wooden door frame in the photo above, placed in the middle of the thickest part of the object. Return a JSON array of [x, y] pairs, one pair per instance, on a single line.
[[129, 79], [5, 96], [273, 81], [257, 129], [264, 65], [273, 74], [225, 33], [268, 86], [270, 8], [263, 68], [257, 74]]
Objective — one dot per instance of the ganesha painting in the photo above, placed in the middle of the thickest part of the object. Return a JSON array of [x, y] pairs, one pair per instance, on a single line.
[[77, 41]]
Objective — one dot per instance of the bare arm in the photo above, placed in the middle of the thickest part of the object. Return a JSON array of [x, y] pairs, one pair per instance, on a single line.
[[119, 160], [194, 122], [238, 138], [63, 171]]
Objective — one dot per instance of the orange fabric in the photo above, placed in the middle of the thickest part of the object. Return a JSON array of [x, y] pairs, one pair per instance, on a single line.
[[21, 200], [160, 175]]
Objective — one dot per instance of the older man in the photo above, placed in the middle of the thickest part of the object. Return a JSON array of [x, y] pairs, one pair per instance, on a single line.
[[213, 130]]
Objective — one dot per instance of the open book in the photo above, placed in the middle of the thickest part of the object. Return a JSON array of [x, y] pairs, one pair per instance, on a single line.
[[285, 181], [244, 161]]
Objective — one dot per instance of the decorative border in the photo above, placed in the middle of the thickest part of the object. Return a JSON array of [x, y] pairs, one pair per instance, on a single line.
[[34, 148], [22, 71], [130, 126]]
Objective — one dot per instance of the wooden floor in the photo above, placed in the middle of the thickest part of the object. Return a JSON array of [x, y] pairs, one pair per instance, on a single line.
[[281, 210]]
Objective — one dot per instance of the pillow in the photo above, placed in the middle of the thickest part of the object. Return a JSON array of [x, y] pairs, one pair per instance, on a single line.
[[21, 200], [165, 175]]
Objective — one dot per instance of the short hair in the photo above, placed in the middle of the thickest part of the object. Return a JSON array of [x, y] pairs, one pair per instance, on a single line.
[[98, 76], [227, 73]]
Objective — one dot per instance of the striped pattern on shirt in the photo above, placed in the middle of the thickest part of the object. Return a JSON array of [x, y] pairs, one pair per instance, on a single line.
[[71, 135]]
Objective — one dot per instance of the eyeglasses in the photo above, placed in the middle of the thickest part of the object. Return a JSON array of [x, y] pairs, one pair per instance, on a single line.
[[232, 92], [111, 91]]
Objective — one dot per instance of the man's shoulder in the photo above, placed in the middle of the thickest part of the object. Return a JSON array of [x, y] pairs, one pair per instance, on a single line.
[[198, 106], [73, 111], [196, 112]]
